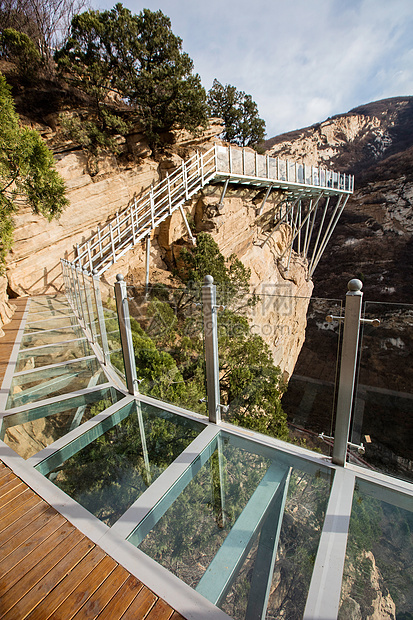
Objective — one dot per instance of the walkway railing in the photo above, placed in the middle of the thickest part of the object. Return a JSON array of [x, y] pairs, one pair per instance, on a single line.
[[298, 182]]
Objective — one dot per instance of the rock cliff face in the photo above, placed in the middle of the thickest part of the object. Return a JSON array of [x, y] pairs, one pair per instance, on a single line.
[[99, 188], [373, 239]]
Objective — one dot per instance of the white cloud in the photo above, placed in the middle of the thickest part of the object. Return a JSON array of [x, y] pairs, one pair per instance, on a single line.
[[300, 61]]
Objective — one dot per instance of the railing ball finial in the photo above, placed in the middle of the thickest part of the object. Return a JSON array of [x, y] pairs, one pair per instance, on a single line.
[[208, 280], [119, 277], [355, 285]]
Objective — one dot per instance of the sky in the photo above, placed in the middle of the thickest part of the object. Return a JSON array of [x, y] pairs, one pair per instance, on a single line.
[[300, 60]]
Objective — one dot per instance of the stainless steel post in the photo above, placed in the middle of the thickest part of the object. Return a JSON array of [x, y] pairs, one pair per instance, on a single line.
[[354, 298], [126, 334], [101, 317], [211, 349]]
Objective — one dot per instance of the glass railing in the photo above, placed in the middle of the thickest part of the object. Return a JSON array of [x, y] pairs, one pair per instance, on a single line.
[[262, 385], [167, 332], [310, 397], [383, 407]]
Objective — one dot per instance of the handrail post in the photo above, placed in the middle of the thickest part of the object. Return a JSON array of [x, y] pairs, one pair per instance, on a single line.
[[122, 306], [211, 349], [354, 298], [101, 317]]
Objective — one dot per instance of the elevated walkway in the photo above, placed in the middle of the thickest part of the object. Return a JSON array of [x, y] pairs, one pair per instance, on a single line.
[[305, 191], [48, 567]]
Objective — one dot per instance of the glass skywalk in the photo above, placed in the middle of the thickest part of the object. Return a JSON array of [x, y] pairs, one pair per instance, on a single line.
[[245, 525]]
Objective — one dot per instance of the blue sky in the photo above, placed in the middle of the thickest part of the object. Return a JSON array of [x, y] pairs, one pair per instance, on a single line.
[[300, 60]]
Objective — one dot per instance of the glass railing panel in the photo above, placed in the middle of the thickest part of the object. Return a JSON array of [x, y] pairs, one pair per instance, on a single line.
[[219, 519], [43, 338], [30, 431], [249, 163], [310, 398], [110, 318], [382, 417], [236, 161], [49, 382], [45, 356], [167, 329], [113, 470], [265, 382], [261, 166], [377, 576], [222, 159]]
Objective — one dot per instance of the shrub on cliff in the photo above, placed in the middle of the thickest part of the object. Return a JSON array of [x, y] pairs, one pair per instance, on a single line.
[[139, 59], [27, 172], [239, 112]]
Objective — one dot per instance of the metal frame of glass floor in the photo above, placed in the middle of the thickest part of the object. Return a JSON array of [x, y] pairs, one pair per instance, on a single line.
[[197, 511]]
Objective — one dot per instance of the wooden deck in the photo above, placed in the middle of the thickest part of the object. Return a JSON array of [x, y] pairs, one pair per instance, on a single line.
[[48, 568], [10, 332]]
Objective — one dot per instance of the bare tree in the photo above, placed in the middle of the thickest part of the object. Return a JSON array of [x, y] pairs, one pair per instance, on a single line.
[[46, 22]]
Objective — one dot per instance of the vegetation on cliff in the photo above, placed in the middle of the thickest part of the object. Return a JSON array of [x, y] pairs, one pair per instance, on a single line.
[[239, 112], [168, 343], [27, 172], [138, 59]]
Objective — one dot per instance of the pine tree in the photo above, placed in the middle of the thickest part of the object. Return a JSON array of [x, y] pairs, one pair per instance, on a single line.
[[239, 112]]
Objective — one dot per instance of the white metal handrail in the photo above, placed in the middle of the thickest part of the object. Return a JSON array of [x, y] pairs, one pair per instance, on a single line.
[[235, 165]]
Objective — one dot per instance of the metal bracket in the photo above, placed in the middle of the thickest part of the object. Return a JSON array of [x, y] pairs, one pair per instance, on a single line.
[[374, 322]]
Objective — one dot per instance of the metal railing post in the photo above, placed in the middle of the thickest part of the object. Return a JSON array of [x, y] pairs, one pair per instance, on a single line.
[[126, 334], [211, 349], [101, 317], [354, 298]]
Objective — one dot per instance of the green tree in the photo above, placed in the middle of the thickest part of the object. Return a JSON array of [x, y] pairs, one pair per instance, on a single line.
[[27, 172], [250, 383], [139, 58], [239, 112], [19, 48]]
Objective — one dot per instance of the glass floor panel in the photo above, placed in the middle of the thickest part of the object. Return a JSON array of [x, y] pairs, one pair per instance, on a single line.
[[50, 303], [196, 536], [38, 385], [45, 356], [112, 471], [378, 571], [31, 431], [37, 315], [50, 322], [48, 337]]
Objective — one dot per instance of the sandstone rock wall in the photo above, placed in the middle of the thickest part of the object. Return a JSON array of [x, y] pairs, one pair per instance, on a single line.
[[98, 189]]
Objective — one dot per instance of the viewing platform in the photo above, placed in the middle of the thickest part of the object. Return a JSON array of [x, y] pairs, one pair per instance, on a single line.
[[311, 202], [142, 508]]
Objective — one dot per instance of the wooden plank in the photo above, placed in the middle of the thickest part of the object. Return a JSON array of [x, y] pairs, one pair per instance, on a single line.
[[50, 580], [177, 616], [23, 585], [10, 332], [5, 475], [84, 590], [40, 550], [12, 494], [160, 611], [124, 597], [58, 595], [22, 530], [102, 596], [141, 605], [9, 485], [25, 501]]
